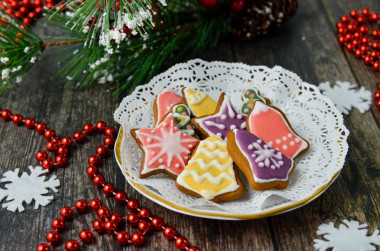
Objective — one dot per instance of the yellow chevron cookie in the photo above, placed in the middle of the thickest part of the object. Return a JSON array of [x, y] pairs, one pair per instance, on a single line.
[[210, 173]]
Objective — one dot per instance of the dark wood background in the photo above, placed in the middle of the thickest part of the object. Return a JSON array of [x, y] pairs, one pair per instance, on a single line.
[[306, 45]]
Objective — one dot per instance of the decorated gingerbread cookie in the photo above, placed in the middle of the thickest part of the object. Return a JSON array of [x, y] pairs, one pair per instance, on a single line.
[[181, 115], [164, 101], [166, 149], [225, 118], [199, 103], [263, 166], [249, 97], [210, 173], [272, 126]]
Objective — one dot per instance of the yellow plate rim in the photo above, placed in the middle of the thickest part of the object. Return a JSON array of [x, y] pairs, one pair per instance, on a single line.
[[210, 215]]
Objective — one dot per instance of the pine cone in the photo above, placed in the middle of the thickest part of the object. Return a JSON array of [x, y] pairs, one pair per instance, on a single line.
[[260, 16]]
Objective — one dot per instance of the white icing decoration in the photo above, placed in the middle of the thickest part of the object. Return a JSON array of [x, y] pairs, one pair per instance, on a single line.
[[259, 141], [265, 155], [250, 147], [196, 98], [233, 127], [261, 164], [292, 143], [284, 138], [149, 140], [219, 135], [284, 147], [211, 123], [223, 117], [297, 140], [290, 135], [239, 116], [160, 160], [165, 124], [258, 108], [272, 167], [229, 108], [253, 155], [243, 125], [278, 141], [190, 145], [177, 165], [153, 131]]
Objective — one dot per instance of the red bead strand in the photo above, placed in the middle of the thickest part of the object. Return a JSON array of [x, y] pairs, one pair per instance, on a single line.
[[353, 36]]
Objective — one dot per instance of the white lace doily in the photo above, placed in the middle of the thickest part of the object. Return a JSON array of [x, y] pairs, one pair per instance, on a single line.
[[312, 115]]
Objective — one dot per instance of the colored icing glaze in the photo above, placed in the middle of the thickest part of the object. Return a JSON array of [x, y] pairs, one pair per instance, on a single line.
[[249, 98], [165, 101], [166, 147], [269, 124], [267, 163], [199, 103], [210, 171], [181, 115], [227, 118]]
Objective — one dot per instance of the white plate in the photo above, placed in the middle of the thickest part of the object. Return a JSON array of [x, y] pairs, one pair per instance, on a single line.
[[312, 115]]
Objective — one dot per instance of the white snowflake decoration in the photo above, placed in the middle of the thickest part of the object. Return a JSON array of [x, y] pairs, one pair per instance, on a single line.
[[350, 235], [345, 96], [26, 188]]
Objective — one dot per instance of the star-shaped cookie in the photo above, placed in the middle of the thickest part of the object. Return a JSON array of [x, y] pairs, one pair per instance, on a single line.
[[166, 149]]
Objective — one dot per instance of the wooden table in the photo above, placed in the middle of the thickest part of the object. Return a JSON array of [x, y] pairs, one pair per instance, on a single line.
[[306, 45]]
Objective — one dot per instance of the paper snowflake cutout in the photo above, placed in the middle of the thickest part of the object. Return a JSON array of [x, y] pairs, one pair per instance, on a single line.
[[26, 188], [350, 235], [345, 96]]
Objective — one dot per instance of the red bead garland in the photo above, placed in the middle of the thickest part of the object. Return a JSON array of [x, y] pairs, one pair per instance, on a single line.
[[353, 34], [140, 217]]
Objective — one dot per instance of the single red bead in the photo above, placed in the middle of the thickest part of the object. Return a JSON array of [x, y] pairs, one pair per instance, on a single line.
[[376, 96], [93, 160], [145, 213], [145, 226], [133, 205], [169, 232], [366, 12], [95, 204], [133, 219], [363, 29], [354, 14], [375, 54], [358, 53], [79, 137], [67, 212], [29, 123], [181, 242], [72, 245], [157, 223], [110, 226], [345, 19], [357, 35], [101, 126], [237, 5], [86, 235], [61, 160], [193, 248], [98, 180], [6, 115], [47, 163], [365, 40], [138, 239], [52, 237], [51, 146], [41, 155], [120, 197], [81, 206], [364, 48], [49, 134], [351, 27], [58, 224], [17, 119], [350, 47], [376, 66], [92, 171], [102, 151], [340, 25], [43, 247], [368, 60], [348, 36], [378, 104], [122, 237], [109, 141], [98, 225], [88, 128], [375, 45], [361, 19], [116, 217], [342, 40], [108, 189], [67, 141], [104, 212], [41, 127], [110, 131], [375, 33], [356, 42], [373, 17]]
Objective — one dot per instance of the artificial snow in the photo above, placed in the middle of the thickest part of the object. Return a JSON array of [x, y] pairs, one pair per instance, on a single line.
[[26, 188]]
